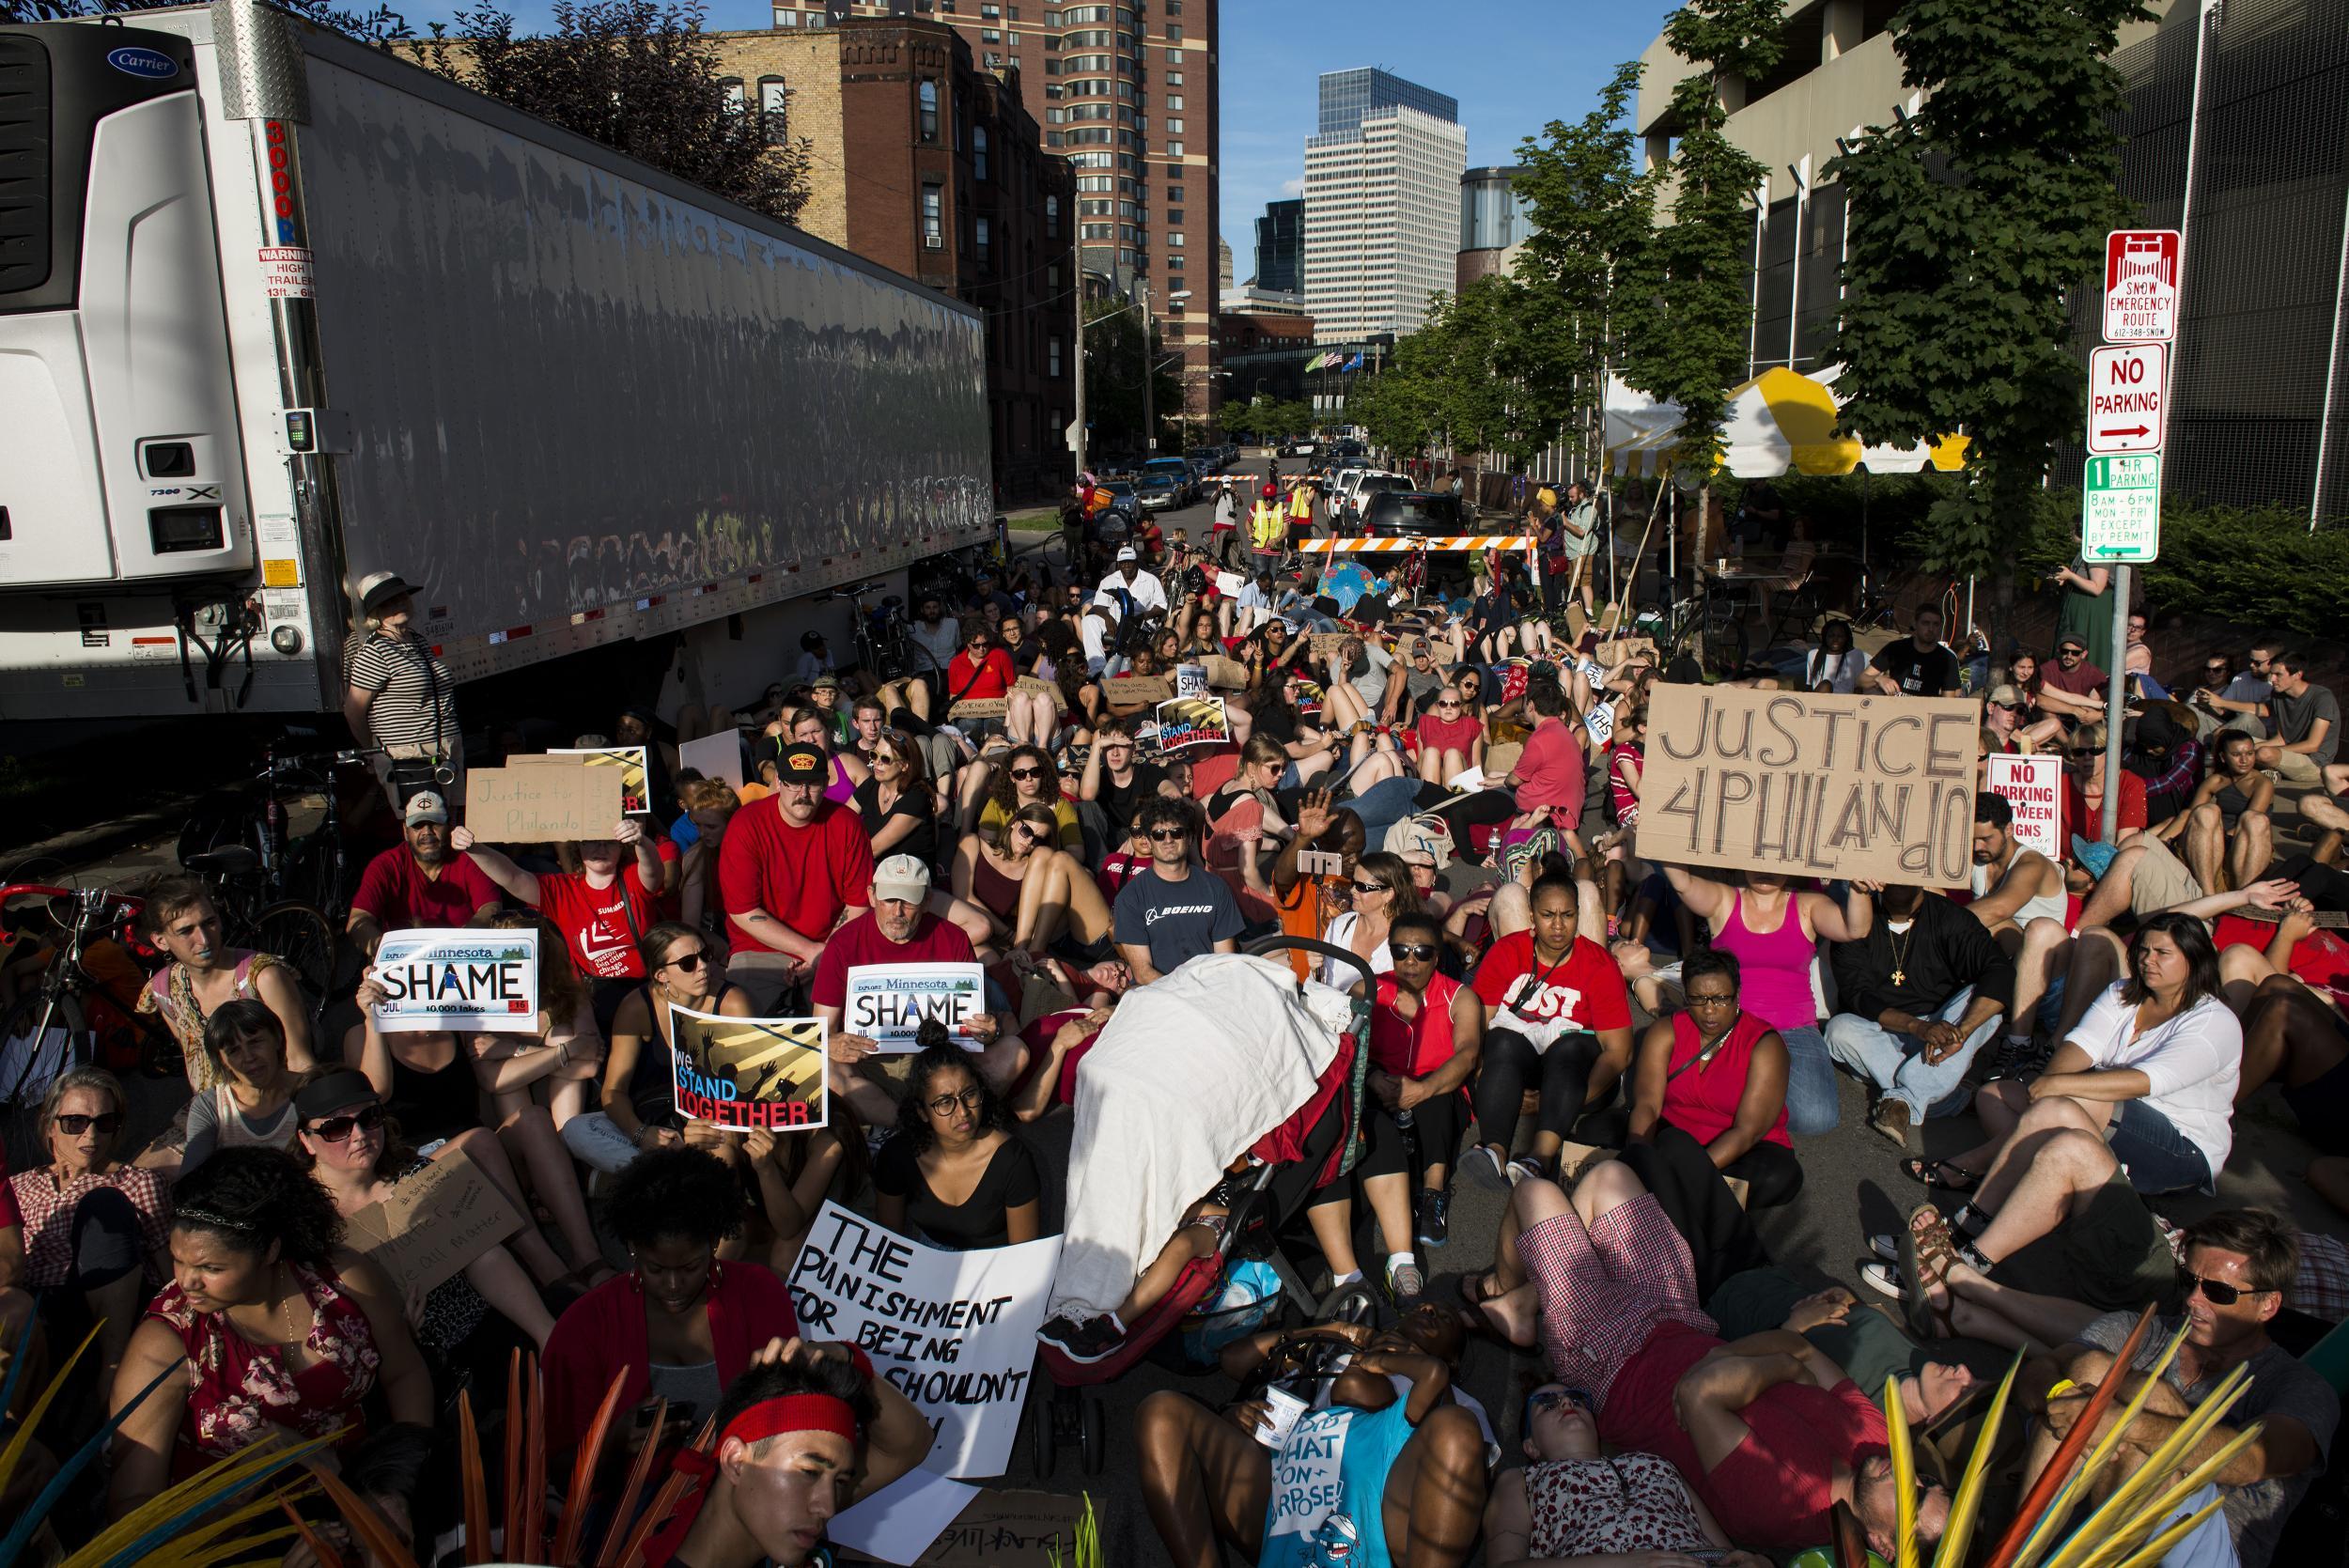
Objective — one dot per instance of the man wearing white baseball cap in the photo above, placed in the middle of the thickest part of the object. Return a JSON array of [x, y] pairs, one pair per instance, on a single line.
[[898, 930], [1130, 589]]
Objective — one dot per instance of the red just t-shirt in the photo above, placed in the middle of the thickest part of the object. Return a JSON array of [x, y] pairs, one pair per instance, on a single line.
[[1585, 992], [803, 876]]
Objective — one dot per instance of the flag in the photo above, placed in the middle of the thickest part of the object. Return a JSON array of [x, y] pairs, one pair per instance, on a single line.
[[1317, 362], [1354, 363]]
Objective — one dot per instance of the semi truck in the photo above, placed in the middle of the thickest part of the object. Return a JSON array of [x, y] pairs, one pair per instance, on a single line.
[[279, 310]]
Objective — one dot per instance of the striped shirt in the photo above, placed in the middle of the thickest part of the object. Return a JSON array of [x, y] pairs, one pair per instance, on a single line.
[[415, 701]]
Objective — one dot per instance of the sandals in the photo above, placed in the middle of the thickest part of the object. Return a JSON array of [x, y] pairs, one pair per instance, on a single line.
[[1475, 1290], [1924, 1263], [1936, 1173]]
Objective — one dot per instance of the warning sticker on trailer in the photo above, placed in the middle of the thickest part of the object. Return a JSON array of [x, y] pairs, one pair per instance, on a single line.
[[286, 273], [149, 645], [281, 574]]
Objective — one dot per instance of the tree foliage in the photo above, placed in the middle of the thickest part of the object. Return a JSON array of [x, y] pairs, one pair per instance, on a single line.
[[1593, 234], [641, 77], [1461, 378], [1113, 359], [1970, 223], [1686, 341], [1267, 419]]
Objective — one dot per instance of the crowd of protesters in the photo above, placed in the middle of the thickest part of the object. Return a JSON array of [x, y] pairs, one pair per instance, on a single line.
[[1632, 1056]]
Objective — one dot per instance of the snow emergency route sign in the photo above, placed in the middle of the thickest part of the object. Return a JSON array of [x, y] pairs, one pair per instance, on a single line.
[[2126, 397], [2121, 509], [2142, 285]]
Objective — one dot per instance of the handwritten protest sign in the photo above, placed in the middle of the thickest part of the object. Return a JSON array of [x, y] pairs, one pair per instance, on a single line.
[[997, 1529], [1324, 645], [1225, 673], [1192, 722], [1618, 651], [542, 805], [473, 982], [1136, 688], [887, 1002], [630, 760], [744, 1073], [434, 1223], [1047, 688], [1811, 784], [2033, 786], [954, 1331], [1306, 1487], [713, 756], [979, 707]]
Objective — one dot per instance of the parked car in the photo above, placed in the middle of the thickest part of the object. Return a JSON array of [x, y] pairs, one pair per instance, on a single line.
[[1391, 514], [1370, 485], [1158, 492], [1186, 482], [1303, 446]]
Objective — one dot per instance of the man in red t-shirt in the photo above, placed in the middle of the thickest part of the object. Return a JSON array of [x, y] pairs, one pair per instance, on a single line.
[[418, 884], [897, 929], [1552, 771], [789, 875], [1767, 1430], [2070, 691]]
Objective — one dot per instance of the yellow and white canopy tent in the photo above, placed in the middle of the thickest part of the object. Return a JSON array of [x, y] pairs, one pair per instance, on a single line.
[[1782, 421]]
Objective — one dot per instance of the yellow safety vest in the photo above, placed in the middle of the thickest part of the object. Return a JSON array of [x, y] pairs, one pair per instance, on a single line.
[[1301, 503], [1268, 526]]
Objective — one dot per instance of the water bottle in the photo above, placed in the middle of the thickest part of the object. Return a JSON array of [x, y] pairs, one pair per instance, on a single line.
[[1403, 1118]]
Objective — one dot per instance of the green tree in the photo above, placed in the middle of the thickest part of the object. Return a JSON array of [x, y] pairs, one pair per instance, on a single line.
[[1594, 229], [1687, 315], [639, 76], [1970, 223]]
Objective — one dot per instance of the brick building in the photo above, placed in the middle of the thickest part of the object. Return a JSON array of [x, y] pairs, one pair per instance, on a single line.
[[1129, 95]]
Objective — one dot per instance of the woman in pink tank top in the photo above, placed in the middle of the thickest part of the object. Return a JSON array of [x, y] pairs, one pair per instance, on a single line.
[[1774, 931]]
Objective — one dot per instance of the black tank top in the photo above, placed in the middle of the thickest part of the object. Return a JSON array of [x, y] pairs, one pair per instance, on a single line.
[[433, 1106]]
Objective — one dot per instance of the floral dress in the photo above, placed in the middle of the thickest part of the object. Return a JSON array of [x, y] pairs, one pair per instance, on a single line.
[[1634, 1502], [241, 1390]]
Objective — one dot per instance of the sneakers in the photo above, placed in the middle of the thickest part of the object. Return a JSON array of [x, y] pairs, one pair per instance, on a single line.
[[1483, 1166], [1406, 1283], [2018, 1057], [1893, 1119], [1525, 1168], [1882, 1277], [1432, 1220], [1094, 1340]]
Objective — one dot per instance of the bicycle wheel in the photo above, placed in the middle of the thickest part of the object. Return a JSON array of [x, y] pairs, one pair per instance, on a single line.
[[303, 938]]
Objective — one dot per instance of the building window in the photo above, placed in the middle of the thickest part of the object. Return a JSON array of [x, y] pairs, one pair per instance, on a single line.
[[1174, 102], [978, 153], [1051, 217], [1051, 358], [1173, 33], [1175, 241], [732, 86], [933, 218], [786, 19], [1175, 263], [1174, 56], [773, 98], [1174, 150], [928, 97], [1174, 127], [1174, 78], [1174, 192], [1175, 216], [984, 234]]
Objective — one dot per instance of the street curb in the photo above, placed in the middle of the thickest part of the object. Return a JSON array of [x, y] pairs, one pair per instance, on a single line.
[[84, 845]]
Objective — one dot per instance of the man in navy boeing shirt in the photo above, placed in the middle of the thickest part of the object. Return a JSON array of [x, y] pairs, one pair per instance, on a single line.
[[1176, 909]]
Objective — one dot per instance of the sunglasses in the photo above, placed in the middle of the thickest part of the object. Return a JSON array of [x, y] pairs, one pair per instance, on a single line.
[[969, 1099], [1027, 772], [688, 962], [1372, 887], [336, 1129], [2010, 707], [1549, 1399], [2217, 1292], [1422, 953], [73, 1125], [1030, 831], [1168, 835], [1448, 704]]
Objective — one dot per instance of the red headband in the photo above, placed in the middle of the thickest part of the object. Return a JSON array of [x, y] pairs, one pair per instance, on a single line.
[[771, 1418]]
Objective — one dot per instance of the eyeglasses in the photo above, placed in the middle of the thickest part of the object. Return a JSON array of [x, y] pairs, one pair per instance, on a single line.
[[969, 1099], [1027, 772], [1372, 887], [107, 1122], [2217, 1292], [686, 962], [1417, 951], [336, 1129], [1168, 835], [1727, 999]]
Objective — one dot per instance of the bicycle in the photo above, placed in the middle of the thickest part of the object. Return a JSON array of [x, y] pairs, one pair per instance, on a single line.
[[277, 893], [71, 1010]]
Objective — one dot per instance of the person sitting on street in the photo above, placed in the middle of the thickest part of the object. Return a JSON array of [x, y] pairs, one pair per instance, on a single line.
[[1037, 896], [636, 1096], [1922, 994], [2018, 897], [1716, 1075], [418, 883], [1027, 776], [958, 1174], [598, 909], [2071, 692], [1426, 1037], [789, 876], [1916, 665], [202, 973], [2304, 726], [1176, 909], [251, 1101], [2229, 838]]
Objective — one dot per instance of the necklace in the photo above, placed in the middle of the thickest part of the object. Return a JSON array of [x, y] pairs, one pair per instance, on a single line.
[[1899, 942]]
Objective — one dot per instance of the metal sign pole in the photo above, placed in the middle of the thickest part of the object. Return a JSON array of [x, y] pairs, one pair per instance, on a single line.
[[2116, 701]]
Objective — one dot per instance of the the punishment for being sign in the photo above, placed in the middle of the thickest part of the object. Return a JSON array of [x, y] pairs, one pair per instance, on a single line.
[[1811, 785]]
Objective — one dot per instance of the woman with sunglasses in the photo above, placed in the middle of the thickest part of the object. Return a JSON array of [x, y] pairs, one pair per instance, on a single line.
[[251, 1103], [1035, 893], [980, 673], [269, 1328], [1274, 715], [1027, 776], [1451, 740], [1712, 1081], [636, 1096], [1382, 890], [958, 1174], [353, 1148], [1427, 1036], [94, 1226], [204, 971], [896, 802], [682, 1322], [1572, 1500]]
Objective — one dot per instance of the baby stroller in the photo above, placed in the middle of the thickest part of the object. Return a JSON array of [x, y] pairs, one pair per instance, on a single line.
[[1311, 1148]]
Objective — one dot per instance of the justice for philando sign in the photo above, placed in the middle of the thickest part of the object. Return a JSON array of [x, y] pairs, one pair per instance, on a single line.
[[1807, 783], [954, 1331]]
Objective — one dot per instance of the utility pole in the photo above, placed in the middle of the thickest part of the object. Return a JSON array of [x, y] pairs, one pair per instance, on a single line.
[[1077, 285], [1149, 420]]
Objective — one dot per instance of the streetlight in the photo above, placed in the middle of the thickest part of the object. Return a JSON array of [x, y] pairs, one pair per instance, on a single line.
[[1149, 369]]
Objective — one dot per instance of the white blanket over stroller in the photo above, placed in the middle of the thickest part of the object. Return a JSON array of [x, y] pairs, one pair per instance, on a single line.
[[1191, 1071]]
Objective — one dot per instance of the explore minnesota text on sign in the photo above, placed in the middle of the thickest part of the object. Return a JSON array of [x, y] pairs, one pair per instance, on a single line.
[[1803, 783]]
